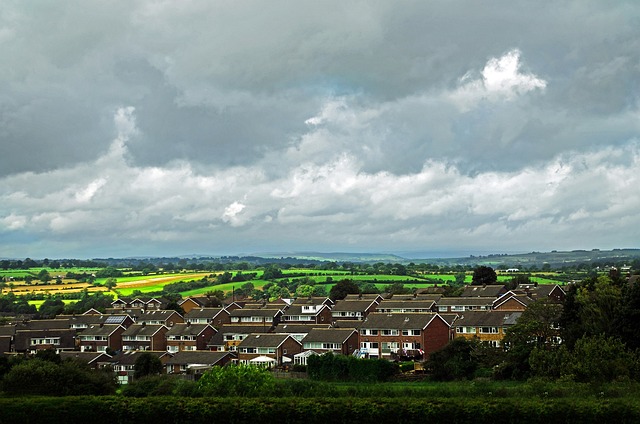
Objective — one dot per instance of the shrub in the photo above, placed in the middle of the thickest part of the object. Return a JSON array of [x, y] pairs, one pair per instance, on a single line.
[[236, 380]]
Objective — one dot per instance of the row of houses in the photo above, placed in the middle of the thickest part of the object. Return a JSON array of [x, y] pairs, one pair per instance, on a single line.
[[281, 332]]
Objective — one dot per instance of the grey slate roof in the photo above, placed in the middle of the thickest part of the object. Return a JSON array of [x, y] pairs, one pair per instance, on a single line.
[[198, 357], [101, 330], [264, 340], [490, 290], [487, 318], [188, 329], [203, 313], [466, 301], [143, 329], [298, 328], [353, 305], [328, 335], [401, 321]]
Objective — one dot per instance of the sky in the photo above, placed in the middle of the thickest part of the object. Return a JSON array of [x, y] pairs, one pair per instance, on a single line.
[[167, 128]]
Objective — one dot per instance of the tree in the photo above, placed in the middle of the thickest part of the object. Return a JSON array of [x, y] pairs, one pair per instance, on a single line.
[[455, 361], [342, 289], [147, 364], [51, 307], [484, 275], [304, 290], [271, 272], [110, 283], [44, 276]]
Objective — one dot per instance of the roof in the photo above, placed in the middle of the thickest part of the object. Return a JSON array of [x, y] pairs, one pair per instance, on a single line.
[[364, 296], [255, 312], [298, 328], [198, 357], [7, 330], [406, 304], [129, 357], [329, 335], [188, 329], [86, 357], [466, 301], [95, 319], [312, 301], [204, 313], [487, 318], [43, 324], [522, 298], [353, 305], [265, 340], [243, 329], [400, 321], [143, 329], [101, 330], [155, 315], [490, 290], [297, 310]]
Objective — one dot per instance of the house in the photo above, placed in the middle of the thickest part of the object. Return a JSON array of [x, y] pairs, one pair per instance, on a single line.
[[189, 336], [214, 316], [541, 291], [486, 290], [275, 349], [233, 335], [197, 362], [250, 316], [142, 336], [403, 336], [144, 303], [307, 313], [198, 302], [31, 341], [353, 309], [401, 306], [95, 360], [487, 326], [461, 304], [123, 364], [99, 338], [365, 296], [298, 331], [80, 322], [336, 340], [313, 300], [166, 317], [512, 301]]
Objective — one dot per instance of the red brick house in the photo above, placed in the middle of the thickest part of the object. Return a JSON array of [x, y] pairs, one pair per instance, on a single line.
[[189, 336], [99, 338], [394, 336], [214, 316], [196, 363], [268, 348], [145, 337], [336, 340]]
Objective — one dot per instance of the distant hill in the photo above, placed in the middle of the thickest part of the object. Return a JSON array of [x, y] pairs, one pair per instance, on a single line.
[[336, 256], [554, 258]]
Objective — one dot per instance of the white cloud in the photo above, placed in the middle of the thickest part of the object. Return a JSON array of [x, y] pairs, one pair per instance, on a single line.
[[501, 79]]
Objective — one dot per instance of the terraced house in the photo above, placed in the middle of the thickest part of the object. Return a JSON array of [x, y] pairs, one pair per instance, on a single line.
[[405, 335], [488, 326], [189, 337]]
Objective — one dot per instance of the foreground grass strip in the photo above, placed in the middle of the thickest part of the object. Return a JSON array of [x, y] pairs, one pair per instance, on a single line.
[[313, 410]]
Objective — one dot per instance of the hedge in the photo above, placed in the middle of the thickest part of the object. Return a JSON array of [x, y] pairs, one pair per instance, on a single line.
[[113, 409]]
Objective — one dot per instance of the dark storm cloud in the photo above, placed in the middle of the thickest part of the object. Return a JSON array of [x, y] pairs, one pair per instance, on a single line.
[[201, 126]]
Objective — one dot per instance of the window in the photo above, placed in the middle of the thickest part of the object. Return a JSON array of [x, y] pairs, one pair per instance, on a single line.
[[410, 332], [489, 330], [389, 332]]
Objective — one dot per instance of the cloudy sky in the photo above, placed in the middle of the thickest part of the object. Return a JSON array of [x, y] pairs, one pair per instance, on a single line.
[[226, 127]]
